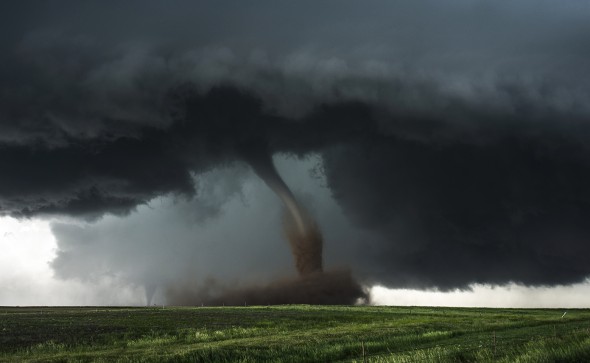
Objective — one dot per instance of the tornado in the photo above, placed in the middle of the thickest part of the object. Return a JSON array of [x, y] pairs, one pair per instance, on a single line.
[[300, 229], [312, 286]]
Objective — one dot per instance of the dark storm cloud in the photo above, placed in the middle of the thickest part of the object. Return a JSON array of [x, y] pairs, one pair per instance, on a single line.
[[513, 210], [455, 131]]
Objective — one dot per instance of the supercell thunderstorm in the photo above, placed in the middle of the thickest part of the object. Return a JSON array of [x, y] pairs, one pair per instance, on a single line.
[[458, 148]]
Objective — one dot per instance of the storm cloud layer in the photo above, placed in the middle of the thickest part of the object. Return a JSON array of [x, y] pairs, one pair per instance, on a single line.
[[453, 135]]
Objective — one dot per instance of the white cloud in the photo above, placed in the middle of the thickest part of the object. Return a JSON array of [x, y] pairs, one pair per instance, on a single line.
[[26, 279], [508, 296]]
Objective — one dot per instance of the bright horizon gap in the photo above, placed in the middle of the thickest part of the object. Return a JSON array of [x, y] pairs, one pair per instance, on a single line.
[[27, 279]]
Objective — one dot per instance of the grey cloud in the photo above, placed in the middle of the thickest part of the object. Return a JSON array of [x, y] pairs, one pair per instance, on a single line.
[[453, 133]]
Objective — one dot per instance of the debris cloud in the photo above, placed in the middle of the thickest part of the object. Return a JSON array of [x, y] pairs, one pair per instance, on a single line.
[[336, 287]]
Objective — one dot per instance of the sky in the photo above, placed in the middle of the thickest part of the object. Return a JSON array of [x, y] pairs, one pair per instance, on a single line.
[[440, 148]]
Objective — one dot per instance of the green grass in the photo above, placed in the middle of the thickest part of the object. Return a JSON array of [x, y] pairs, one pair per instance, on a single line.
[[295, 333]]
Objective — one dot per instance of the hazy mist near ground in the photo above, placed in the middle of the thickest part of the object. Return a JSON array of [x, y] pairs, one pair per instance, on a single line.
[[231, 233]]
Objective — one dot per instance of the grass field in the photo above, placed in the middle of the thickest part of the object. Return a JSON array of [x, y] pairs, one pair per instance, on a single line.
[[293, 334]]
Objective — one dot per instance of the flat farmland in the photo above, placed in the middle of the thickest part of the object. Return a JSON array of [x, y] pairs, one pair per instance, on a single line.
[[292, 333]]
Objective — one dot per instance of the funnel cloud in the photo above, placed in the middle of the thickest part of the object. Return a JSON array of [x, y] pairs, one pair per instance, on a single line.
[[433, 144], [301, 230]]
